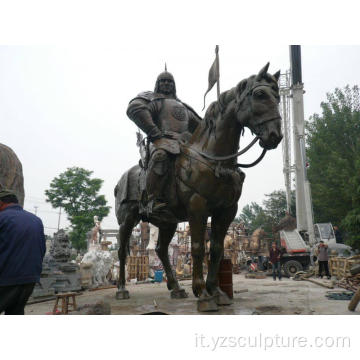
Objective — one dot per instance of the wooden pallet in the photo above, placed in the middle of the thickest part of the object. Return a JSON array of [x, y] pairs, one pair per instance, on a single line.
[[138, 267], [340, 266]]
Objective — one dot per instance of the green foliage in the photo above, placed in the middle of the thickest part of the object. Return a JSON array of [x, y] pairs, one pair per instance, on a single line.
[[333, 152], [275, 206], [255, 216], [77, 194]]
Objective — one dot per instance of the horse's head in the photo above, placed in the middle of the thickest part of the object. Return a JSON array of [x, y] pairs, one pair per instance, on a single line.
[[257, 101]]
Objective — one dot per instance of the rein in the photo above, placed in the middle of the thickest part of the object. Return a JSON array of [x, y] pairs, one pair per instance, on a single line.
[[228, 157], [224, 158]]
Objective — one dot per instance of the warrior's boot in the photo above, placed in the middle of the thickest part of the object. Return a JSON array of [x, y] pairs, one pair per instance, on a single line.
[[156, 179]]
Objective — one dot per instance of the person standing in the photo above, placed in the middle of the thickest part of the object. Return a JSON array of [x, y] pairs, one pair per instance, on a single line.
[[22, 249], [275, 257], [338, 236], [323, 259]]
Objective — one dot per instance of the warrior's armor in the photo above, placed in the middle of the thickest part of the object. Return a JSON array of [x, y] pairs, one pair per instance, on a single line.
[[164, 118]]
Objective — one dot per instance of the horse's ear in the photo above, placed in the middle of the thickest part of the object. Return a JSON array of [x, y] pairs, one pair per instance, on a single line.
[[277, 75], [262, 72]]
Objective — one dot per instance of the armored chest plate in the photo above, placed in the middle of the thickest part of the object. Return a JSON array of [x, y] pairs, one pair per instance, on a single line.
[[179, 112], [173, 116]]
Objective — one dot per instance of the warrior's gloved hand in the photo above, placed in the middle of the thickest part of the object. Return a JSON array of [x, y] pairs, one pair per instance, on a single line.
[[155, 134]]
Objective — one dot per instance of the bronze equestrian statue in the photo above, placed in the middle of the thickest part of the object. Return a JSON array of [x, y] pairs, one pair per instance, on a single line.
[[189, 172]]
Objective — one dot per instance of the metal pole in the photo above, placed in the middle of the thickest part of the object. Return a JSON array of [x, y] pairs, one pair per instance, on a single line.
[[284, 93], [59, 218], [218, 71], [304, 216], [298, 118]]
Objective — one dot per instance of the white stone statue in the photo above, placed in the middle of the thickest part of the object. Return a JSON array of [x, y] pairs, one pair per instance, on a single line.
[[96, 232]]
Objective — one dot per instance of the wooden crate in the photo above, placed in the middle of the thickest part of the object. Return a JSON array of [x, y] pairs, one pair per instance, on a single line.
[[340, 266], [138, 267]]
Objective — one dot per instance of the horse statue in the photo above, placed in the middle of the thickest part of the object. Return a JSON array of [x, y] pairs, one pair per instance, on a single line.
[[208, 183], [11, 174]]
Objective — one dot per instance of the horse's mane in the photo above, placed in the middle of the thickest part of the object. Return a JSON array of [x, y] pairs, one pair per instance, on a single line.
[[215, 109]]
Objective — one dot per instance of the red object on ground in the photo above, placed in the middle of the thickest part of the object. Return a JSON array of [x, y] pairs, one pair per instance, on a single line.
[[58, 312], [225, 277]]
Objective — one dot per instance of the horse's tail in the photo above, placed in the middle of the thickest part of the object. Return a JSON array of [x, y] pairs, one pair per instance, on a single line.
[[126, 191]]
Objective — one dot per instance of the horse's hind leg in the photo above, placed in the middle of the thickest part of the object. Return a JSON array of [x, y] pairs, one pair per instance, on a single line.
[[126, 227], [219, 225], [165, 235]]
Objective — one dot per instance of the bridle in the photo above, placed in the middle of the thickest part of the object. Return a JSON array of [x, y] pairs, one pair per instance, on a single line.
[[233, 156]]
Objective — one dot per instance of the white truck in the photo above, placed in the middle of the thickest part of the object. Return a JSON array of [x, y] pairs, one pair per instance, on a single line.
[[325, 232]]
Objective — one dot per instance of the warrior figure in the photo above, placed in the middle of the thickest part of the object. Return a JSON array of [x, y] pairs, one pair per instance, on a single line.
[[165, 120]]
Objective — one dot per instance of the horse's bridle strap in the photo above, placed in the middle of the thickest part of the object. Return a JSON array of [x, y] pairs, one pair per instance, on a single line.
[[228, 157], [253, 163]]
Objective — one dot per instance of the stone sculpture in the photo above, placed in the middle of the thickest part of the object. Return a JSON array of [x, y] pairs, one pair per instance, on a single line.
[[99, 262], [59, 274], [11, 174]]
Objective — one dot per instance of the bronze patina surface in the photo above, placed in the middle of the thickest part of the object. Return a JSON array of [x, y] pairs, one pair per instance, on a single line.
[[191, 184]]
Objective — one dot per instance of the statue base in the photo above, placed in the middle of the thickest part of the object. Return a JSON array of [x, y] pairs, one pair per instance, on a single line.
[[122, 295], [207, 304], [178, 294]]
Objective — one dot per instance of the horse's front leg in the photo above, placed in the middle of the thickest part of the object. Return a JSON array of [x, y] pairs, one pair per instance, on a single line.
[[197, 221], [220, 223], [166, 233]]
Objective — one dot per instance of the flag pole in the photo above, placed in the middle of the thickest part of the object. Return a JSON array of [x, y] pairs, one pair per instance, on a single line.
[[218, 78], [218, 71], [214, 76]]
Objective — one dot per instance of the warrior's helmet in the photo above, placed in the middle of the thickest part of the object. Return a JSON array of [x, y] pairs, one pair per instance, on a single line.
[[164, 75]]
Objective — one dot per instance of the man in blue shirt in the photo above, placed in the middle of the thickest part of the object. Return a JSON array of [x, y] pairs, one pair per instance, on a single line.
[[22, 249]]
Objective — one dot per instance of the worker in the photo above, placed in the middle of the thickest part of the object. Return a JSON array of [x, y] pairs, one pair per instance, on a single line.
[[323, 259], [338, 236], [22, 249], [275, 260]]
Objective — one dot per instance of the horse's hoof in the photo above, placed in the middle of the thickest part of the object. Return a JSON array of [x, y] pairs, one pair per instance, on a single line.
[[222, 299], [122, 294], [178, 294], [207, 304]]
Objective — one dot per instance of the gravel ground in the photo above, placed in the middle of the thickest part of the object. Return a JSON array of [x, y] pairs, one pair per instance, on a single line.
[[264, 297]]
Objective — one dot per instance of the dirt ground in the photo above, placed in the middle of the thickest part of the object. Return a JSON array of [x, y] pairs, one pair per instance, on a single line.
[[264, 297]]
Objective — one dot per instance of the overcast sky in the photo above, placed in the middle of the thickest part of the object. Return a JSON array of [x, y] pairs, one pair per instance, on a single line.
[[64, 106]]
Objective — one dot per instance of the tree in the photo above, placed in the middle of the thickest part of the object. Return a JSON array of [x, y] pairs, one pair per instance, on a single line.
[[273, 210], [253, 216], [75, 192], [275, 206], [333, 152]]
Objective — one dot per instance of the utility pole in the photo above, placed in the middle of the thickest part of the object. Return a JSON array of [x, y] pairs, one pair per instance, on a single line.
[[35, 207], [59, 218], [304, 212]]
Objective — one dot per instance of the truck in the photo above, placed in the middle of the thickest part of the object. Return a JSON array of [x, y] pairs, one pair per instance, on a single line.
[[297, 255], [325, 232]]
